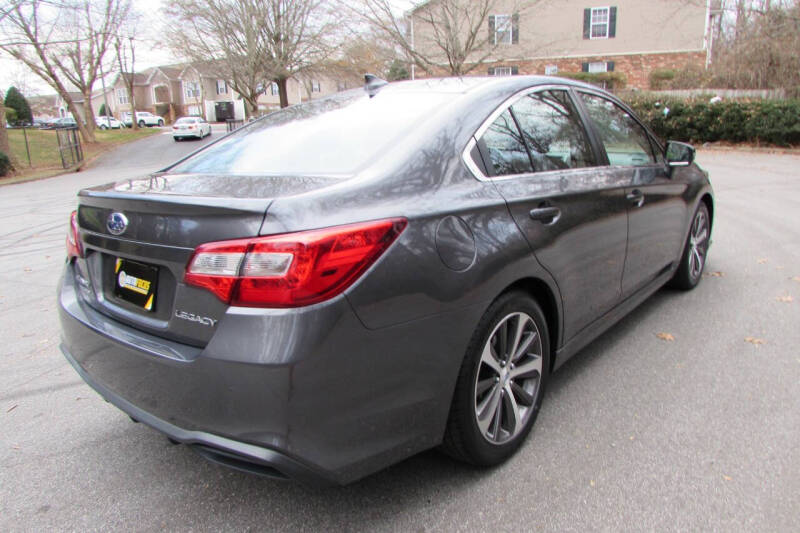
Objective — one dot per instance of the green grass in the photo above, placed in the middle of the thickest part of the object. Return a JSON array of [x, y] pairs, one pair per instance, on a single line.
[[44, 156]]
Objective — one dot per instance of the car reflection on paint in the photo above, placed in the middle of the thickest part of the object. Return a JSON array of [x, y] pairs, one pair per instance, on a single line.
[[346, 282]]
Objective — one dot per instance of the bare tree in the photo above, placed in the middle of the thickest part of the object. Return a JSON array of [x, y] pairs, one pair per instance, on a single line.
[[759, 46], [252, 41], [64, 42], [454, 36], [126, 72]]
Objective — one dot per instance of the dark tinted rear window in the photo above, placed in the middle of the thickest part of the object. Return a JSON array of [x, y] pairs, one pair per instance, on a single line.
[[331, 136]]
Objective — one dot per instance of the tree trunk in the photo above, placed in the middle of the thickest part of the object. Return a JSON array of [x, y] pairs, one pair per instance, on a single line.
[[88, 113], [4, 146], [282, 91], [134, 124], [88, 137]]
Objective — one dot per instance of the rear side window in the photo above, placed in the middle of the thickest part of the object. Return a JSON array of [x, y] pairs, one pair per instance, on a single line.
[[506, 148], [552, 131], [626, 142]]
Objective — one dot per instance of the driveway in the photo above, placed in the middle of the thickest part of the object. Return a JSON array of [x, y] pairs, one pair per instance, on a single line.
[[697, 430]]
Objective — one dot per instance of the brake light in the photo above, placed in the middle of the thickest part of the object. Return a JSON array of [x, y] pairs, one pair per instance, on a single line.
[[292, 269], [74, 246]]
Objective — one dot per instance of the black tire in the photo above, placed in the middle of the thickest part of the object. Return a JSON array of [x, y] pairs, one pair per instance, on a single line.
[[141, 123], [695, 249], [464, 440], [103, 127]]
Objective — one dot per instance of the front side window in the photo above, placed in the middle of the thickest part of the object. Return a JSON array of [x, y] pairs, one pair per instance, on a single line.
[[505, 147], [625, 140], [600, 17], [552, 131]]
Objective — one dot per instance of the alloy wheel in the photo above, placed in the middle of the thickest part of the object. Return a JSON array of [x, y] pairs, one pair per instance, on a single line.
[[508, 379], [698, 240]]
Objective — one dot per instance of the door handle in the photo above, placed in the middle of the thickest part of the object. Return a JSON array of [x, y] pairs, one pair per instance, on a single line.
[[636, 197], [546, 215]]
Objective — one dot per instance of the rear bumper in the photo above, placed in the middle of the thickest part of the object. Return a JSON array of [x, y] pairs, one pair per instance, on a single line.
[[232, 453], [307, 393]]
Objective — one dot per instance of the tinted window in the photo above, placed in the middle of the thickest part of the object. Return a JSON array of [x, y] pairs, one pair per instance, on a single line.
[[334, 135], [625, 141], [506, 149], [553, 131]]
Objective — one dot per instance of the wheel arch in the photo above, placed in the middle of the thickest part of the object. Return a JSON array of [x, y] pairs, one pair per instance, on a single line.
[[546, 297], [706, 199]]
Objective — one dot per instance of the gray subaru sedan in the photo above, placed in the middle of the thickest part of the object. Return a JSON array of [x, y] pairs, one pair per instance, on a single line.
[[346, 282]]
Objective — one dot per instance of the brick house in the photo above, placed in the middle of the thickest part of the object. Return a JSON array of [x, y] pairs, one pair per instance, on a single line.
[[633, 37]]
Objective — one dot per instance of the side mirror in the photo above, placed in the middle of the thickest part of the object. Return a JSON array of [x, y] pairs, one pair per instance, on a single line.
[[679, 154]]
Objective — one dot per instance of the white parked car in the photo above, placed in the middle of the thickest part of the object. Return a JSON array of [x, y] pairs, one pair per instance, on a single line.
[[190, 127], [105, 123], [143, 118]]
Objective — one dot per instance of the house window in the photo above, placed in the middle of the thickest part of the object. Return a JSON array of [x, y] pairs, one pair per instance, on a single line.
[[598, 66], [122, 96], [315, 87], [502, 29], [550, 70], [273, 89], [192, 89], [502, 71], [160, 94], [222, 87], [600, 19]]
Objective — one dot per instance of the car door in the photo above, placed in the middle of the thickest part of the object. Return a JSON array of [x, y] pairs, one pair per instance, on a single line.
[[656, 208], [572, 212]]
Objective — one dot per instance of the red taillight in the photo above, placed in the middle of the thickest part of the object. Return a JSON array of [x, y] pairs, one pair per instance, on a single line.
[[293, 269], [74, 247]]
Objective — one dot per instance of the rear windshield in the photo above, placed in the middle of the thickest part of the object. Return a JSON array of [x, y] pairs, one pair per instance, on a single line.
[[186, 121], [333, 136]]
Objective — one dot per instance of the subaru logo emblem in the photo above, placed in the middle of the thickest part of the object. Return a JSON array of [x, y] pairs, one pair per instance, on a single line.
[[117, 223]]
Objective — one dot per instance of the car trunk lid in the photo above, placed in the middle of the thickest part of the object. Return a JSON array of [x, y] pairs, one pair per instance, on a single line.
[[139, 235]]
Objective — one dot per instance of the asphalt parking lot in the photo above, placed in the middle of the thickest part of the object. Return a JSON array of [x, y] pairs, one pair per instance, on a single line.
[[684, 416]]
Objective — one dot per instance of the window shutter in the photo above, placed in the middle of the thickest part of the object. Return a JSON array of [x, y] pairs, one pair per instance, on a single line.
[[612, 22], [515, 28], [492, 35], [491, 71], [584, 67], [514, 71], [587, 22], [610, 66]]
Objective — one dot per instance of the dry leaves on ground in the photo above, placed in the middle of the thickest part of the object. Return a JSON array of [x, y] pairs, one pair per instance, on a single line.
[[754, 340], [762, 261], [796, 278], [716, 274], [786, 299], [665, 337]]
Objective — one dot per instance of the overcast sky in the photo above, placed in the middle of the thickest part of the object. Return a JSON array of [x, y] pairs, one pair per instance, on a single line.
[[148, 53]]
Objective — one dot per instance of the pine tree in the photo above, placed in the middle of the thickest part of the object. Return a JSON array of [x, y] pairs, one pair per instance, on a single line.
[[18, 103]]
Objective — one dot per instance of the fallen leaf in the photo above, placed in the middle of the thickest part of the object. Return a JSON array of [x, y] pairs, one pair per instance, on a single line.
[[28, 269], [717, 274], [779, 267], [762, 261], [796, 278], [727, 478], [787, 299], [591, 483], [12, 408], [754, 340], [665, 337], [632, 437], [79, 398]]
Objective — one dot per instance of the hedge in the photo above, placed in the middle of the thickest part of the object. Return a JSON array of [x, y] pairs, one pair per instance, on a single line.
[[766, 121], [5, 164]]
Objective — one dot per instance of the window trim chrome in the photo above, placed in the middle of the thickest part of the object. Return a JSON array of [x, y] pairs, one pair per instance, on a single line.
[[507, 103]]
